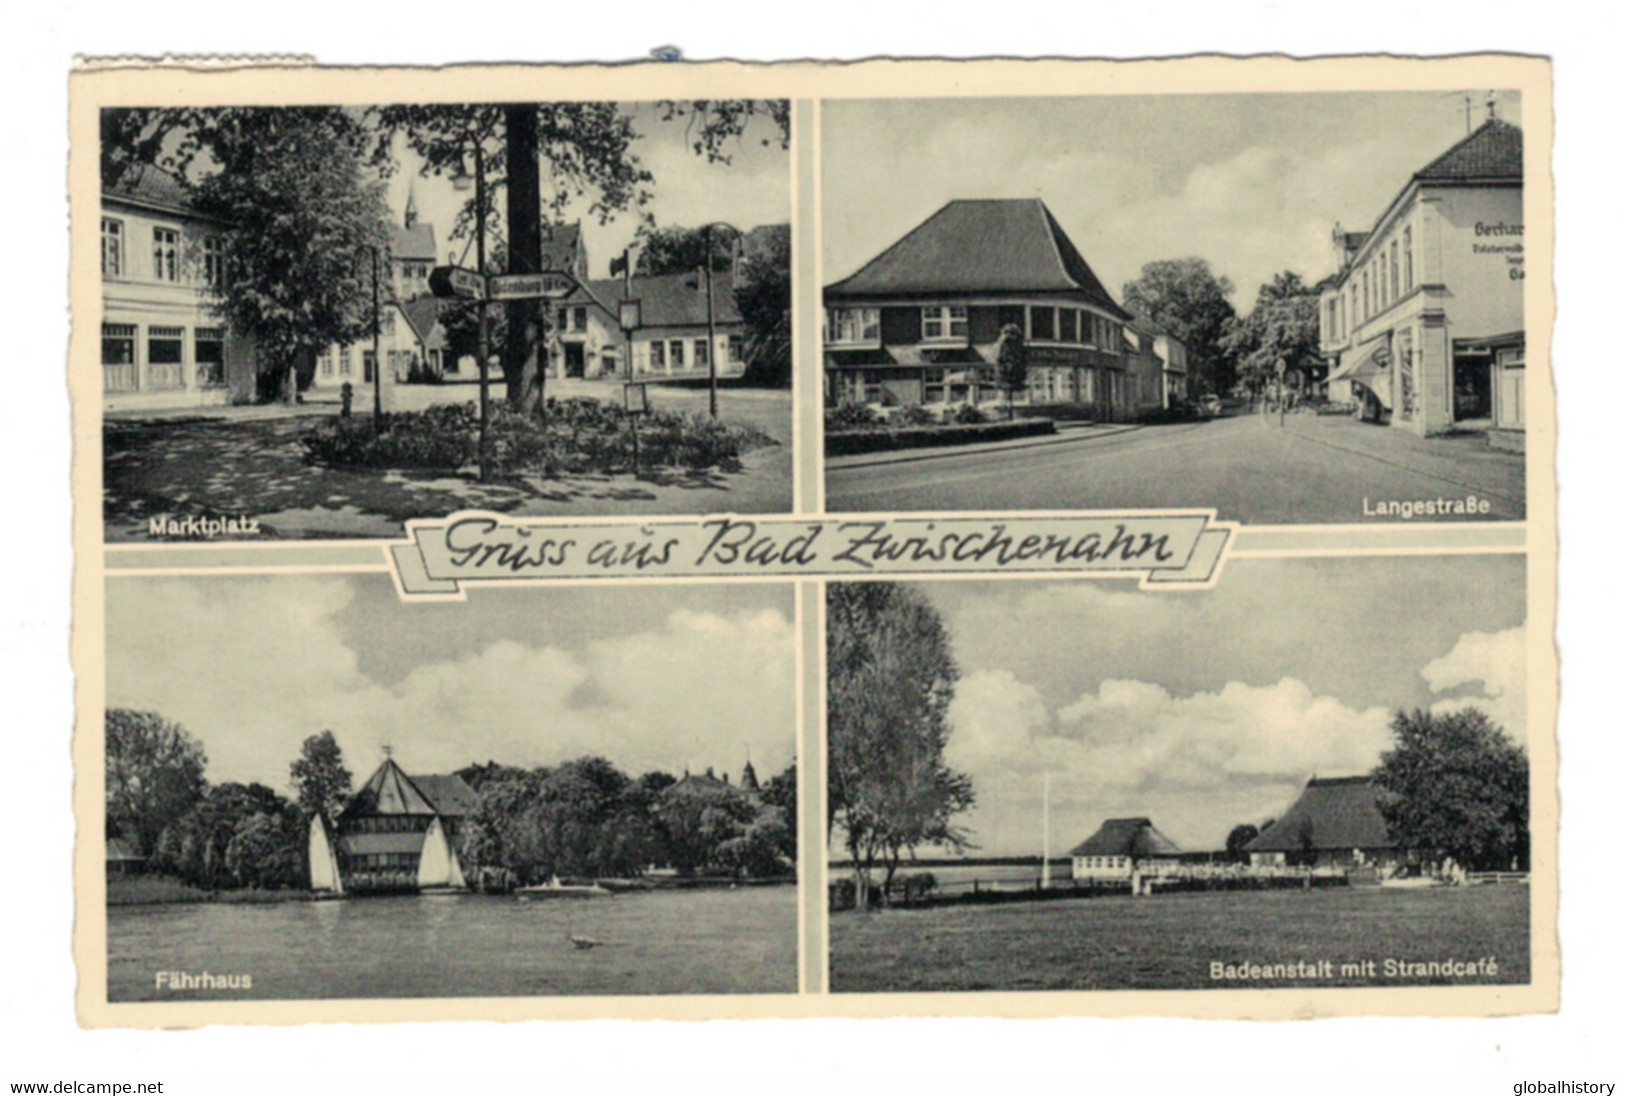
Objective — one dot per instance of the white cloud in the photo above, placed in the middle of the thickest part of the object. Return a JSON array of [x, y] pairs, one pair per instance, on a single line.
[[253, 667], [1494, 662]]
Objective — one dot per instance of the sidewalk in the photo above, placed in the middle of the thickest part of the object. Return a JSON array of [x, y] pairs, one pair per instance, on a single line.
[[1066, 433]]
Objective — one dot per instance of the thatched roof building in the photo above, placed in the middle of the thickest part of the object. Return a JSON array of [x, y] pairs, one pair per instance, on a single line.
[[1120, 846], [1332, 819]]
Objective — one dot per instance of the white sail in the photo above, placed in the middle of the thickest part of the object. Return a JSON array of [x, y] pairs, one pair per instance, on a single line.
[[437, 866], [324, 863]]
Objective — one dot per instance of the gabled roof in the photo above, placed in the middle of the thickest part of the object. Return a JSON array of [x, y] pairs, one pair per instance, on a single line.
[[984, 245], [1492, 151], [122, 850], [1332, 813], [669, 300], [1135, 837], [450, 794], [422, 313], [149, 185], [415, 244]]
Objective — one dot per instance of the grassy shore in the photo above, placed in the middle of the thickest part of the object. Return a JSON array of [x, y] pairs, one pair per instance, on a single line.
[[1171, 941], [162, 890]]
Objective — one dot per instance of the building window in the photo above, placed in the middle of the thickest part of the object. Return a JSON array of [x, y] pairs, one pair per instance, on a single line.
[[344, 361], [209, 352], [1393, 267], [935, 383], [214, 262], [1365, 292], [164, 354], [736, 349], [578, 319], [1041, 324], [324, 364], [1069, 325], [854, 325], [942, 322], [677, 353], [1086, 386], [166, 248], [702, 354], [118, 357], [389, 321], [112, 247], [657, 355]]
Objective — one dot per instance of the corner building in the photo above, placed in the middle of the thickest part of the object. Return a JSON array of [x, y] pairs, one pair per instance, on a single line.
[[1423, 325]]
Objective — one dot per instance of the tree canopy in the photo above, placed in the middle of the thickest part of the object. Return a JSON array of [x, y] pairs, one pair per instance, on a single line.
[[1281, 332], [154, 775], [1457, 785], [319, 778], [1185, 297], [891, 679]]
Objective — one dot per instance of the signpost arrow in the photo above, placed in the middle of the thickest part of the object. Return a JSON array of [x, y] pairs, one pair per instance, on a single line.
[[517, 287], [454, 281]]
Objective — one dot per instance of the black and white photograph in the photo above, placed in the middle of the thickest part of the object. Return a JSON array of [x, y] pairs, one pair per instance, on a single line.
[[1081, 786], [1293, 308], [321, 322], [315, 791]]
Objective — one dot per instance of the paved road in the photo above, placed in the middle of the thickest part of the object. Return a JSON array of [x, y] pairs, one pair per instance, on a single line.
[[1320, 469]]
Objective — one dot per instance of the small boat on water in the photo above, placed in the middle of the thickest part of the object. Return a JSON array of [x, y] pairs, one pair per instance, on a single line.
[[555, 889]]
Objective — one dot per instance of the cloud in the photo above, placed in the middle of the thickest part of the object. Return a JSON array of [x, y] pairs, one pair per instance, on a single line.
[[1197, 764], [252, 667], [1494, 662]]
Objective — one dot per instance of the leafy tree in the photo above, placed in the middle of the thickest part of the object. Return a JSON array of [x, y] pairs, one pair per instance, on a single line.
[[264, 853], [197, 847], [1189, 300], [891, 679], [1012, 363], [699, 823], [1457, 785], [1237, 841], [780, 792], [154, 775], [320, 781], [299, 213], [716, 126], [673, 249], [1282, 330], [762, 295]]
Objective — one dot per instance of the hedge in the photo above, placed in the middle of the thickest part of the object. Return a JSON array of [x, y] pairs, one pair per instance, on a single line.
[[914, 437]]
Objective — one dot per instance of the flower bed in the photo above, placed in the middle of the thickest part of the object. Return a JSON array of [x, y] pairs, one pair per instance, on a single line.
[[578, 436], [879, 440]]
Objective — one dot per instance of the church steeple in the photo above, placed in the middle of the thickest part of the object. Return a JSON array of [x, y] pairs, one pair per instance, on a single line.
[[411, 202], [747, 776]]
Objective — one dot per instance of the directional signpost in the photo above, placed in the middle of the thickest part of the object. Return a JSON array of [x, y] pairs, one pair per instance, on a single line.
[[519, 287], [454, 281]]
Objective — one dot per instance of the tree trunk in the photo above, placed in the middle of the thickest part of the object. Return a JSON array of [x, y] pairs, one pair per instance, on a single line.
[[524, 351]]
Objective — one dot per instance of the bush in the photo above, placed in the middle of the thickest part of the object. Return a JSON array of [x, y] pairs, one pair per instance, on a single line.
[[970, 415], [579, 436], [850, 416], [875, 441], [913, 887]]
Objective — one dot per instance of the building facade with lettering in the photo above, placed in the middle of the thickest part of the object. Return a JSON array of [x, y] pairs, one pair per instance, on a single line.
[[163, 346], [1423, 325], [920, 324]]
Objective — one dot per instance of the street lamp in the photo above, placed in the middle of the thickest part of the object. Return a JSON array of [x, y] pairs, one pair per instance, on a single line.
[[710, 305], [460, 182]]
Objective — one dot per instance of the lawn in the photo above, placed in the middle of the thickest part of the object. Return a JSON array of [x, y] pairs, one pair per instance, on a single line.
[[1170, 941]]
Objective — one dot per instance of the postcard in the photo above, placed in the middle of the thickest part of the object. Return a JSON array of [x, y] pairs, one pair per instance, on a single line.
[[716, 540]]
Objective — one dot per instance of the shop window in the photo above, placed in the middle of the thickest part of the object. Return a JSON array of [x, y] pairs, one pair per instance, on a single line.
[[935, 382], [942, 322], [1041, 325], [166, 259], [118, 357], [1069, 325], [164, 355], [112, 247], [209, 352]]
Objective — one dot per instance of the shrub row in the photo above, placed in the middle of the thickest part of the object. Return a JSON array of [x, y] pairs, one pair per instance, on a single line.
[[911, 437], [578, 436]]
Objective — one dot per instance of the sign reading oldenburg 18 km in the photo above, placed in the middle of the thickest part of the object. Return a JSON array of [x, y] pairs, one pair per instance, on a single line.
[[454, 281], [516, 287]]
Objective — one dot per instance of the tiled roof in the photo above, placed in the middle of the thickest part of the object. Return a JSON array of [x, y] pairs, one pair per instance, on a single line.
[[994, 245], [389, 791], [1337, 813], [415, 243], [151, 185], [670, 300], [450, 794], [1127, 837], [422, 313], [1492, 151]]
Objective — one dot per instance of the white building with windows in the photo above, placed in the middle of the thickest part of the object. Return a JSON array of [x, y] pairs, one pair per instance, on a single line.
[[162, 344], [672, 338]]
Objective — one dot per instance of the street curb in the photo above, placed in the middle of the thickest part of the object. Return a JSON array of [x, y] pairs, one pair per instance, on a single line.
[[1059, 438]]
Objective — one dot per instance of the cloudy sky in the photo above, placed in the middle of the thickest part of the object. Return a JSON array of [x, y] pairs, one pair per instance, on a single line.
[[651, 678], [1204, 710], [1252, 183], [753, 189]]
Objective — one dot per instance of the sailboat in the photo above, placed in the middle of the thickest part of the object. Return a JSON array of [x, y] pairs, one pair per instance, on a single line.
[[325, 880], [438, 869]]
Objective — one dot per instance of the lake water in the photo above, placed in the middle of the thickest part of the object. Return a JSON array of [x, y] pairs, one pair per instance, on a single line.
[[660, 942]]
